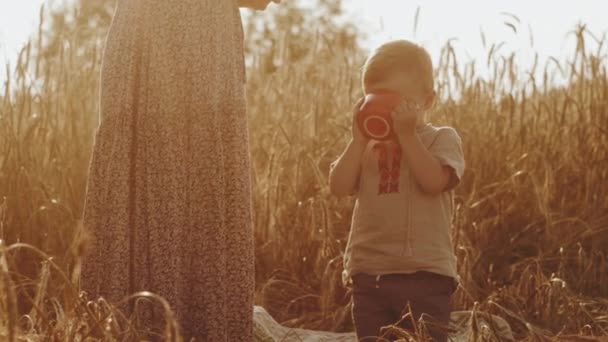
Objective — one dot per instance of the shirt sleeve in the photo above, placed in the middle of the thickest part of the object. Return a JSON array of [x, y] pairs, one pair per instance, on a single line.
[[447, 148]]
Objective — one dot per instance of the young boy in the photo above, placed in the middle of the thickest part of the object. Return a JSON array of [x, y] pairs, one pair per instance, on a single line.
[[399, 251]]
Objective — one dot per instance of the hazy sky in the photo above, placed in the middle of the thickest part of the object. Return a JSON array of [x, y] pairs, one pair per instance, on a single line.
[[439, 21]]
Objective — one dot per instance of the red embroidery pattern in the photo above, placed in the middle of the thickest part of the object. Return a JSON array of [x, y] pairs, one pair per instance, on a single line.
[[389, 177]]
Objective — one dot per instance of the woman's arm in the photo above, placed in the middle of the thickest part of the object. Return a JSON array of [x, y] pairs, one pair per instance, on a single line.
[[256, 4]]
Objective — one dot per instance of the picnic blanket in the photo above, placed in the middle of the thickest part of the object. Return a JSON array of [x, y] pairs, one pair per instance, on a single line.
[[465, 324]]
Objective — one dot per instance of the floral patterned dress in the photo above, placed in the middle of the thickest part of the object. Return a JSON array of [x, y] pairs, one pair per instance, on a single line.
[[168, 201]]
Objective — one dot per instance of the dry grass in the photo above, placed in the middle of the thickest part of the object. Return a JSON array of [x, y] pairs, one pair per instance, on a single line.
[[531, 225]]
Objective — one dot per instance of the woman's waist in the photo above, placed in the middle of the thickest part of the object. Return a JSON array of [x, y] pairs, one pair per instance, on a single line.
[[163, 14]]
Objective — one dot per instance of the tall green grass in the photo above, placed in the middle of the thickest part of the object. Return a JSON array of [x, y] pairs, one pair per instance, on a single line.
[[531, 225]]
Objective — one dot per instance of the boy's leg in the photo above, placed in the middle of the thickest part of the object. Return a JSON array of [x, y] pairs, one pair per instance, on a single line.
[[370, 309], [428, 294]]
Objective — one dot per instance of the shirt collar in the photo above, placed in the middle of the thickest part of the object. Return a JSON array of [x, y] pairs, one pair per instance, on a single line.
[[421, 127]]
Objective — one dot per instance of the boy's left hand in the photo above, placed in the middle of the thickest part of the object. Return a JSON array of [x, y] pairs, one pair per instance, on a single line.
[[405, 119]]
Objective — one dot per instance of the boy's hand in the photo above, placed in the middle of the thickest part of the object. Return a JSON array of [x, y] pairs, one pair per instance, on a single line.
[[405, 119], [358, 136]]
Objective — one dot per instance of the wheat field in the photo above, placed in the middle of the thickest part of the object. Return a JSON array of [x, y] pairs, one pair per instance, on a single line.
[[530, 229]]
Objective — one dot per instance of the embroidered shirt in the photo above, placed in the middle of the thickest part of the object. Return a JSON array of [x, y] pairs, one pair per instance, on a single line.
[[397, 227]]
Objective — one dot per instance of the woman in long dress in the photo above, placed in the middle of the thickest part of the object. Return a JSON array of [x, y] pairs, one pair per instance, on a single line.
[[168, 195]]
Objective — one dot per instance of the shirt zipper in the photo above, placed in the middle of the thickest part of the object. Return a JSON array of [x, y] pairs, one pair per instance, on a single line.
[[407, 251]]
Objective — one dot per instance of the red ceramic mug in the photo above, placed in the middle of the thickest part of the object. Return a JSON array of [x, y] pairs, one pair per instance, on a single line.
[[374, 115]]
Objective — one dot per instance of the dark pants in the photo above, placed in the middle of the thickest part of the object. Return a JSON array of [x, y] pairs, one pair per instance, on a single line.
[[384, 301]]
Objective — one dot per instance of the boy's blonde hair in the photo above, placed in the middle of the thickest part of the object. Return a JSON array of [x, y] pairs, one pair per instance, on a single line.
[[399, 56]]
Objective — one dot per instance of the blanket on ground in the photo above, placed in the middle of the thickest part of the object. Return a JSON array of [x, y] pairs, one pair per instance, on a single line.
[[464, 324]]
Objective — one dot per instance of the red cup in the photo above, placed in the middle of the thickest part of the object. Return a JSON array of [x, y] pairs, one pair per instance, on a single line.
[[374, 115]]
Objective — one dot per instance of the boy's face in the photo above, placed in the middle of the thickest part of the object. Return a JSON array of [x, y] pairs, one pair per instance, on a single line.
[[408, 88]]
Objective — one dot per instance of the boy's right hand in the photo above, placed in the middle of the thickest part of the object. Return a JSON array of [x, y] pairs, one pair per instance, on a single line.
[[358, 136]]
